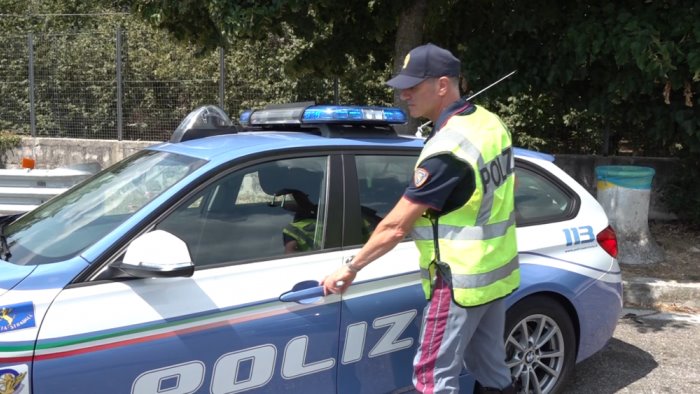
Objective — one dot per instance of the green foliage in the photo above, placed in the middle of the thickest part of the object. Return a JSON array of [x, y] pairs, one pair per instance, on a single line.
[[683, 194], [266, 79], [538, 123], [635, 65], [624, 69], [8, 141], [162, 79], [74, 89], [331, 30], [629, 69]]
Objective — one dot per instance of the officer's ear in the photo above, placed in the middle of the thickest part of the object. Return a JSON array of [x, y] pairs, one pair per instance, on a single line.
[[444, 84]]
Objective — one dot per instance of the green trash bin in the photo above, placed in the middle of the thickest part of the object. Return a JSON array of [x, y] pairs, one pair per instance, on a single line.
[[625, 192], [629, 177]]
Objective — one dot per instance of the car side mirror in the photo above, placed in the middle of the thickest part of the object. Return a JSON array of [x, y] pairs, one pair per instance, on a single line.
[[157, 254]]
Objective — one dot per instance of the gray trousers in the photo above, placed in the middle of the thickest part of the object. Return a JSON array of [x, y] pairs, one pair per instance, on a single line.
[[452, 335]]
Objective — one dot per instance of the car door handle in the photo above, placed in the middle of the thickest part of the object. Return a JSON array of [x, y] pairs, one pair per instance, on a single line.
[[300, 295]]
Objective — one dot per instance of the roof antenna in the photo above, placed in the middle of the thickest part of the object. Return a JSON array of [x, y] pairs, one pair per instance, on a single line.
[[419, 132]]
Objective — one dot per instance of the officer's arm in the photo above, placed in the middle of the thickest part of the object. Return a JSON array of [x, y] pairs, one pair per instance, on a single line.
[[390, 231], [397, 224]]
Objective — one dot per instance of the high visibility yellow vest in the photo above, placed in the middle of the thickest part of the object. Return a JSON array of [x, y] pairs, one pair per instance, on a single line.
[[302, 231], [477, 240]]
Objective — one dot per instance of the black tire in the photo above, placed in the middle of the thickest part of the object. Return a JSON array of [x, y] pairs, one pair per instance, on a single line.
[[544, 365]]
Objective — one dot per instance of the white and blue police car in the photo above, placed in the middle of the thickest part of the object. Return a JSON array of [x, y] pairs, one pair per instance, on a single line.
[[193, 266]]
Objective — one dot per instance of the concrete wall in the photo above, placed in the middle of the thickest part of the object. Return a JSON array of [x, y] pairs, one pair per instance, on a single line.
[[69, 152], [93, 155]]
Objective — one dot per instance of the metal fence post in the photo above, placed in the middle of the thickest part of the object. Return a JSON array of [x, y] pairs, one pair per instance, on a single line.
[[222, 76], [119, 84], [32, 105]]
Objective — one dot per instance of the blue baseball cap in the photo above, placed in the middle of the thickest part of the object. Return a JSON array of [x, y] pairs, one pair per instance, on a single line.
[[423, 62]]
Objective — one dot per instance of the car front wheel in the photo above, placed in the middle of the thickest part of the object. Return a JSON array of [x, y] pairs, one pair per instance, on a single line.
[[540, 344]]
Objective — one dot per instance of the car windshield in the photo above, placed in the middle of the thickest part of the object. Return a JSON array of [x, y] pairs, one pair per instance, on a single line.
[[69, 223]]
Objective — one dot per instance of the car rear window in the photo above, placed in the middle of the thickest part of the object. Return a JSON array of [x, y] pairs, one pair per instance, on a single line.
[[539, 199]]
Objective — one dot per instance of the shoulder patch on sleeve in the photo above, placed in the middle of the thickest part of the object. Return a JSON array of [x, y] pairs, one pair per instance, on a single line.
[[420, 176]]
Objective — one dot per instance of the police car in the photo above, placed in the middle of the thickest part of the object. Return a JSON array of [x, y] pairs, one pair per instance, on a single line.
[[193, 266]]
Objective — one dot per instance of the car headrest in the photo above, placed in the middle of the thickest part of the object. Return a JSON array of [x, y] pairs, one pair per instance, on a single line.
[[272, 178], [275, 179]]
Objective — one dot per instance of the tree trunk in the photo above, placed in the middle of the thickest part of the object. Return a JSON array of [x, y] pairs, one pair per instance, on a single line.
[[408, 36]]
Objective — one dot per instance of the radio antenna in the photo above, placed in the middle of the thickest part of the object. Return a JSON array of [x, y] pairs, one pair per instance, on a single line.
[[419, 132]]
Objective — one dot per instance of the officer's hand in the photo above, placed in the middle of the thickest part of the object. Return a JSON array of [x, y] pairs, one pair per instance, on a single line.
[[338, 282]]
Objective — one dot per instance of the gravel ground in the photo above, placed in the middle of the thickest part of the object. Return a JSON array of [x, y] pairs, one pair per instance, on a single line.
[[681, 245]]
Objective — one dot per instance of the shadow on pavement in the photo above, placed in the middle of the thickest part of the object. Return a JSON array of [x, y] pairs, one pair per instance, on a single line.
[[646, 321], [616, 366]]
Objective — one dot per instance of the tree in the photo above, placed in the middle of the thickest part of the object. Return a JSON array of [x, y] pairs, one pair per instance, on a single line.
[[334, 34], [409, 34], [598, 62], [626, 72], [73, 94], [355, 28], [631, 67], [162, 79]]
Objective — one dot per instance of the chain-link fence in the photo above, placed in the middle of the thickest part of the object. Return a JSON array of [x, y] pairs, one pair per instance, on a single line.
[[100, 85], [14, 84]]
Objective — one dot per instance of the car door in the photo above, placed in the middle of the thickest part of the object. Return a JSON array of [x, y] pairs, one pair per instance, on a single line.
[[225, 329], [380, 318]]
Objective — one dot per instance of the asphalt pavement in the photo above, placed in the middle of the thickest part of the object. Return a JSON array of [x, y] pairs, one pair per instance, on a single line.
[[651, 352], [656, 346]]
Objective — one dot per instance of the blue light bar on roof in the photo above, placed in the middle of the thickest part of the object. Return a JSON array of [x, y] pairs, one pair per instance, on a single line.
[[245, 117], [346, 114], [324, 114], [277, 116]]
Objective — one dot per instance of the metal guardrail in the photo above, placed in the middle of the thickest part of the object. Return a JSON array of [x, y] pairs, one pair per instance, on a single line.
[[22, 190]]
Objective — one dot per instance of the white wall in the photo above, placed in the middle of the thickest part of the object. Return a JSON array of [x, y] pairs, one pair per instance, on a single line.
[[70, 152]]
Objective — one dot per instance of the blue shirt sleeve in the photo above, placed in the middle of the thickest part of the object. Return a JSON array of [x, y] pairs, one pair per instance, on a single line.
[[442, 182]]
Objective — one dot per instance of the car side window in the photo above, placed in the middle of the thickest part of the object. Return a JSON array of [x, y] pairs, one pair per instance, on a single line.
[[266, 210], [382, 181], [538, 199]]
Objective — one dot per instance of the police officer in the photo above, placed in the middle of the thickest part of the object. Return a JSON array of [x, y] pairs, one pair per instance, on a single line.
[[459, 209], [298, 236]]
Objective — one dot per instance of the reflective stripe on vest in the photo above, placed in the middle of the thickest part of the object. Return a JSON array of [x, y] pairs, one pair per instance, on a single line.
[[477, 240], [302, 231], [474, 233], [495, 171], [479, 280]]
